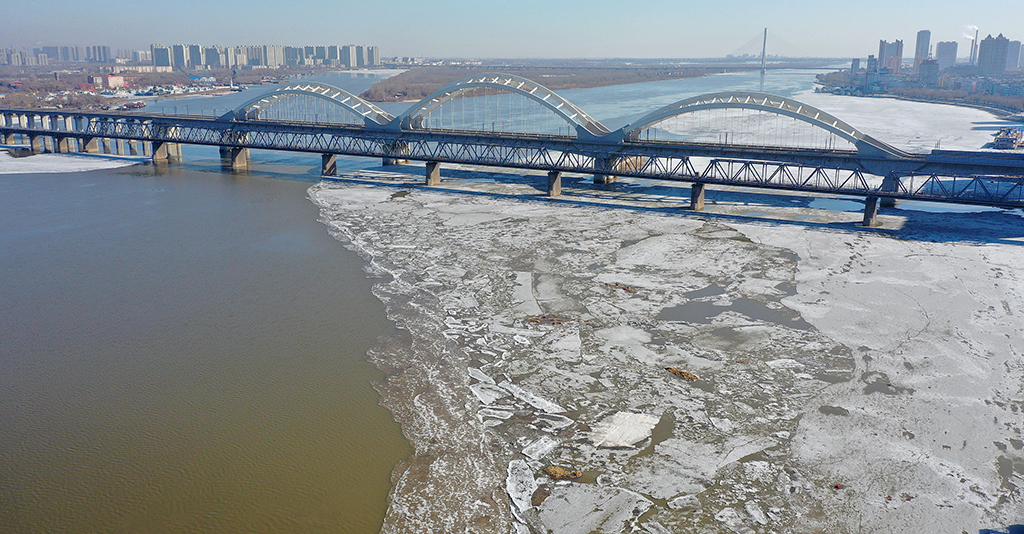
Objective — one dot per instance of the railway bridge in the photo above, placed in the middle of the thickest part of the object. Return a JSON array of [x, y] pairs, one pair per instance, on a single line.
[[743, 139]]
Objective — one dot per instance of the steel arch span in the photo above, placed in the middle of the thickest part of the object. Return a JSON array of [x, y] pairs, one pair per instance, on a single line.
[[767, 103], [585, 125], [373, 116]]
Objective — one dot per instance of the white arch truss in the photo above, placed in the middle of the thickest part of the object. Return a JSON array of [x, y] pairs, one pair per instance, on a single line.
[[761, 102], [372, 115], [576, 117]]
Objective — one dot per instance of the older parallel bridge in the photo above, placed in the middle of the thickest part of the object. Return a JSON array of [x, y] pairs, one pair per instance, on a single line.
[[741, 139]]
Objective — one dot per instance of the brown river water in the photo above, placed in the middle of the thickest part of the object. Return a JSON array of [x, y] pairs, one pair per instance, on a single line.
[[184, 350]]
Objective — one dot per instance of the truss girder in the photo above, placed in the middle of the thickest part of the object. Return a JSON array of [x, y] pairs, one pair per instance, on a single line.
[[569, 112], [818, 174]]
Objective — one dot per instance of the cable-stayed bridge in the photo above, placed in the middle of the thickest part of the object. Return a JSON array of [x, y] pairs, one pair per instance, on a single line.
[[739, 139]]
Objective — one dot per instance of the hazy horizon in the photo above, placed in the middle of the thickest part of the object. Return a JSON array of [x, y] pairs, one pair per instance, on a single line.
[[526, 29]]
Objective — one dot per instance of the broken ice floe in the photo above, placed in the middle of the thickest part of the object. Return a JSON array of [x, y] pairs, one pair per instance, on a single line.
[[586, 508], [480, 375], [520, 484], [531, 399], [623, 429], [487, 393], [540, 448]]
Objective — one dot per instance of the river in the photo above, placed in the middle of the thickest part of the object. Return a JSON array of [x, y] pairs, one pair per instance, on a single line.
[[184, 349]]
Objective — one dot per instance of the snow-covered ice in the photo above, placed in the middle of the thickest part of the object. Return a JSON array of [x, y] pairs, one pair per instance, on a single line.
[[849, 379], [863, 374], [62, 163]]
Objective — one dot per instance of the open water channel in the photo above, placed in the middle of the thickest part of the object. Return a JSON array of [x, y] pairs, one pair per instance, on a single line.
[[184, 349]]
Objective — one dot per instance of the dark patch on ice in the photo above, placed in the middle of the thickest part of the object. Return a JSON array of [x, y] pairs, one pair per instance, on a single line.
[[662, 431], [709, 291], [833, 410], [829, 377], [1017, 444], [908, 365], [399, 194], [908, 434], [705, 312], [1001, 446], [879, 383], [1008, 468]]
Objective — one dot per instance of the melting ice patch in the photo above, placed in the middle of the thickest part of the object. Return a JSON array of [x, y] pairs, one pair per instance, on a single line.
[[54, 163], [623, 429]]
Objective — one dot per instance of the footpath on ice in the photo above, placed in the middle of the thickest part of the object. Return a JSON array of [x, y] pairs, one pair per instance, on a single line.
[[760, 367]]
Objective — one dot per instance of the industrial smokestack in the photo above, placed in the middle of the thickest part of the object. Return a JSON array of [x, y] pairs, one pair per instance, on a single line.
[[974, 48]]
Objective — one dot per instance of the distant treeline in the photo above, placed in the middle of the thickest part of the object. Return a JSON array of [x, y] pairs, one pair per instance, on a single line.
[[415, 84]]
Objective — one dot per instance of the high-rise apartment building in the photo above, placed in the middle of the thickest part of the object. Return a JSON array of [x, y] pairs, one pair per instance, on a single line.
[[179, 56], [945, 53], [890, 55], [161, 55], [195, 56], [1013, 55], [348, 56], [924, 39], [992, 55]]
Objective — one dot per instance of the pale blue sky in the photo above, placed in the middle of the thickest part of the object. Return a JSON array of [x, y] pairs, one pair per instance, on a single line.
[[525, 28]]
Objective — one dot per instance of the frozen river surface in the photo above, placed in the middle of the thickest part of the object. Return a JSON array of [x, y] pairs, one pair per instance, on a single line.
[[845, 379]]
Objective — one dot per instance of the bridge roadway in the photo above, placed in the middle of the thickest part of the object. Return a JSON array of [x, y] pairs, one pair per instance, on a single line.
[[873, 170]]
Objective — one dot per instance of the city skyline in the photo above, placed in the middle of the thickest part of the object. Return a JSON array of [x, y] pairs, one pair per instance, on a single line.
[[526, 29]]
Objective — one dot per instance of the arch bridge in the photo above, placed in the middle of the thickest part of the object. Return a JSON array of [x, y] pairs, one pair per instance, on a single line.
[[736, 138]]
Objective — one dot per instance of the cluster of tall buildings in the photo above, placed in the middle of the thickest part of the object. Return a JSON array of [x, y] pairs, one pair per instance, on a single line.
[[185, 56], [45, 54], [993, 55]]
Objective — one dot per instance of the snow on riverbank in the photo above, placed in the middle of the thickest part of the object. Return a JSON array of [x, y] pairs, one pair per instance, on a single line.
[[844, 378], [50, 163]]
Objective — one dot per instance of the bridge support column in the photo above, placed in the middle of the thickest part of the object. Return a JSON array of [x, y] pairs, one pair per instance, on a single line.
[[554, 184], [233, 157], [159, 151], [433, 173], [871, 211], [890, 183], [697, 196], [174, 151], [607, 164], [35, 144], [329, 165], [133, 148], [62, 144], [90, 145]]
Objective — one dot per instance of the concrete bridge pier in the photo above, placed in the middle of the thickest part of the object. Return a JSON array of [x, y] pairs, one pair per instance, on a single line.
[[62, 145], [607, 164], [90, 145], [231, 157], [554, 183], [133, 148], [891, 184], [433, 173], [871, 211], [329, 165], [174, 152], [35, 144], [697, 196], [160, 151]]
